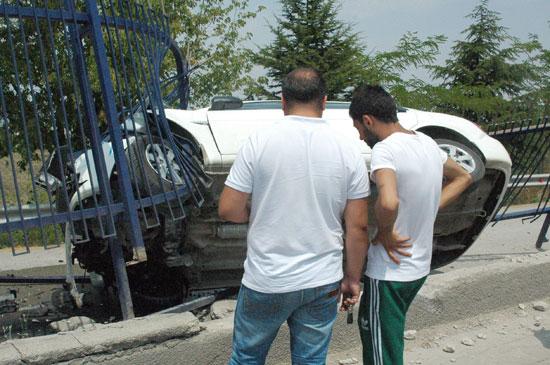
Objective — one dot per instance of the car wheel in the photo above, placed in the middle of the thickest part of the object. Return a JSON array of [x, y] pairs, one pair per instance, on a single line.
[[465, 156], [154, 165]]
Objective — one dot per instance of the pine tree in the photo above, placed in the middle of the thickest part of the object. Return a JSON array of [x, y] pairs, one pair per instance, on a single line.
[[481, 73], [309, 34]]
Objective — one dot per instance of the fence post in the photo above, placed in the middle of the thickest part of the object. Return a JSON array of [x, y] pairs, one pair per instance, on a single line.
[[543, 231], [124, 181], [117, 257]]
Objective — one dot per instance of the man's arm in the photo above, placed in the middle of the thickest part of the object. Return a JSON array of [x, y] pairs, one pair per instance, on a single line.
[[233, 205], [386, 208], [458, 180], [356, 218]]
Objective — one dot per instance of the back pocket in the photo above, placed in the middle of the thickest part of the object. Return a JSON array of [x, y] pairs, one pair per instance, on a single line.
[[260, 305]]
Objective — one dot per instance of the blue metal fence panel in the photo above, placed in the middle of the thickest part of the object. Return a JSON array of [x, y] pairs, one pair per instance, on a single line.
[[85, 144], [528, 142]]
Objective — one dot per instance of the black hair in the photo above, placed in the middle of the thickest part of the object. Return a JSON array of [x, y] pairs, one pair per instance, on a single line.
[[303, 85], [373, 100]]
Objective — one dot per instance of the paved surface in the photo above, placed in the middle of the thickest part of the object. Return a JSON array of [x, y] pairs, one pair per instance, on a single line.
[[509, 337], [38, 257], [443, 301], [502, 270]]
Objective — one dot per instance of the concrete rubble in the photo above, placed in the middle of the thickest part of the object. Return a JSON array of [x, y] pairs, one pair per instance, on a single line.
[[409, 335], [95, 339], [222, 308], [449, 349], [540, 306], [71, 324], [467, 342]]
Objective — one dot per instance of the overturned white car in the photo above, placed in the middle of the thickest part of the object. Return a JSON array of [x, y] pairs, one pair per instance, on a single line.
[[216, 246], [203, 252]]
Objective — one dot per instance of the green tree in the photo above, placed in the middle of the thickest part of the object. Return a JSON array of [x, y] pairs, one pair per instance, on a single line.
[[309, 34], [211, 36], [45, 93], [482, 75]]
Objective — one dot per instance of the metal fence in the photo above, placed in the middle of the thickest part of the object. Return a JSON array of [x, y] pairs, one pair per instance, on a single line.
[[84, 142], [528, 142]]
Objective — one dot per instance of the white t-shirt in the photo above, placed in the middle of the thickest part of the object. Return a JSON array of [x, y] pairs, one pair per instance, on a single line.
[[418, 165], [300, 172]]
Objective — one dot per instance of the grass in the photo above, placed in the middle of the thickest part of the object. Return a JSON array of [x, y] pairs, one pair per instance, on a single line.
[[51, 234], [22, 180], [48, 236]]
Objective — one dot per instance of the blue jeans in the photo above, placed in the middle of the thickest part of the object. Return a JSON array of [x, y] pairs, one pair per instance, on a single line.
[[310, 314]]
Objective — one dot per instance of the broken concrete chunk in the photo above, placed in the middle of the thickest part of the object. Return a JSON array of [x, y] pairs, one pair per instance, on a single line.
[[222, 308], [467, 342], [350, 361], [38, 310], [409, 335], [71, 324], [449, 349], [540, 306]]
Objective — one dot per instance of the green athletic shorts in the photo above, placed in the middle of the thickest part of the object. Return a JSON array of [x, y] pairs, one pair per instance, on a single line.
[[382, 311]]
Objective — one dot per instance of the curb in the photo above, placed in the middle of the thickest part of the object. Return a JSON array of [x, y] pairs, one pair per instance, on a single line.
[[466, 292], [98, 339]]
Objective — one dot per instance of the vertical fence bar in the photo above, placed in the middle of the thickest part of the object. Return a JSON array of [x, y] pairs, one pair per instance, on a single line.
[[543, 232], [108, 93], [119, 264]]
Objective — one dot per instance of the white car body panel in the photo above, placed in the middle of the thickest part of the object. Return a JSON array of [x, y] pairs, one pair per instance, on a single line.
[[87, 177], [220, 134]]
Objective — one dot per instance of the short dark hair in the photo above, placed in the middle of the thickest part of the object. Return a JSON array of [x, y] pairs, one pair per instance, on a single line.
[[375, 101], [303, 85]]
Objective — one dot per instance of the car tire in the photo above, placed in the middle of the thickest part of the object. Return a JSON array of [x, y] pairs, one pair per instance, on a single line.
[[465, 156], [149, 166]]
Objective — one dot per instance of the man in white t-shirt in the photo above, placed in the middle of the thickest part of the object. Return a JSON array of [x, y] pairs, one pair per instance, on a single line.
[[408, 168], [302, 178]]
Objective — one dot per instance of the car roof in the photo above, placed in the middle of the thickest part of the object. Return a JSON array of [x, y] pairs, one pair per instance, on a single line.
[[276, 104]]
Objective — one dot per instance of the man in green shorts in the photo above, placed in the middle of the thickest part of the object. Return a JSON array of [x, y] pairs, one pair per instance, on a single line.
[[408, 168]]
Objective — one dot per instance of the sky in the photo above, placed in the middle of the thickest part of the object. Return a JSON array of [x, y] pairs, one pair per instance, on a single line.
[[381, 23]]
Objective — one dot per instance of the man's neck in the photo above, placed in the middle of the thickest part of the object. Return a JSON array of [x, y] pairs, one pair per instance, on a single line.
[[391, 128], [304, 112]]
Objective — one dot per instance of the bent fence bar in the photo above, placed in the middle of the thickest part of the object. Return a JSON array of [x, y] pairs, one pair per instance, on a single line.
[[80, 92], [528, 142]]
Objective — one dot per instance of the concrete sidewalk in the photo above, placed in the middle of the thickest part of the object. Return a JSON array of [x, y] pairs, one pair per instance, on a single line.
[[519, 335], [38, 257], [167, 339]]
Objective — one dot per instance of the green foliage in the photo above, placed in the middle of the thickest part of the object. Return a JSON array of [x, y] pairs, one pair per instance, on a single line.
[[309, 34], [387, 68], [482, 78], [210, 34], [49, 235]]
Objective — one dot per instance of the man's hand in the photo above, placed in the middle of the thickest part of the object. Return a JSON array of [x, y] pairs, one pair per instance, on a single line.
[[393, 243], [350, 290]]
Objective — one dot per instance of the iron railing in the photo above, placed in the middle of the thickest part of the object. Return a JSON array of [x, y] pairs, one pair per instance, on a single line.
[[528, 142], [80, 95]]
